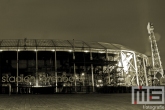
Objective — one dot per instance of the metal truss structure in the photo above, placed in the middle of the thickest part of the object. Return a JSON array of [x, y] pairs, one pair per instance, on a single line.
[[134, 68], [130, 71], [156, 70], [120, 65]]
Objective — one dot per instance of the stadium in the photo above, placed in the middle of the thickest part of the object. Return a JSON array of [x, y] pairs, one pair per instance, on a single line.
[[69, 66]]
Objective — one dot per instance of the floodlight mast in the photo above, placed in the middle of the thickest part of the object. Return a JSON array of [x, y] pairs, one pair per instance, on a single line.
[[156, 61]]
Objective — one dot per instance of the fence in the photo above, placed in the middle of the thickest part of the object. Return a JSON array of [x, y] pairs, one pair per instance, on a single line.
[[66, 89]]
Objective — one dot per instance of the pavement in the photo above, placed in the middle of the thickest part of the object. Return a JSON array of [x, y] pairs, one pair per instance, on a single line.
[[81, 101]]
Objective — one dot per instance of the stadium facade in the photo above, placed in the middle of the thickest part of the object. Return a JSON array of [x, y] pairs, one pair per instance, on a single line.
[[28, 64]]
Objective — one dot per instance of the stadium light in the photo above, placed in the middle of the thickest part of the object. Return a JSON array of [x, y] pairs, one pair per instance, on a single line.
[[100, 81], [86, 51], [82, 73], [101, 52], [128, 53]]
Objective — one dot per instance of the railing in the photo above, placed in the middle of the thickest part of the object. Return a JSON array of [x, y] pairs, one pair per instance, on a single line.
[[7, 89]]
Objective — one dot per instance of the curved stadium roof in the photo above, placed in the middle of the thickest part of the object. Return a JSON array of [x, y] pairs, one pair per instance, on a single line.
[[49, 44]]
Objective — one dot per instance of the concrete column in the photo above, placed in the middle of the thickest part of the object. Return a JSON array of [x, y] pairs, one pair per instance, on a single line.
[[17, 72], [93, 85], [0, 67], [55, 64], [74, 66], [36, 68], [75, 77]]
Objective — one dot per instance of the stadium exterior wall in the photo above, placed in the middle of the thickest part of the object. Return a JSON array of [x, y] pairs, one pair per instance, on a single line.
[[57, 63]]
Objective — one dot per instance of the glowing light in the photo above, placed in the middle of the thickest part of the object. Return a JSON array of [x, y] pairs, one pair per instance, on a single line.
[[125, 61], [42, 86], [70, 50], [83, 74], [86, 51], [99, 81], [1, 50], [53, 50], [99, 85], [35, 49], [37, 86], [128, 53], [101, 52]]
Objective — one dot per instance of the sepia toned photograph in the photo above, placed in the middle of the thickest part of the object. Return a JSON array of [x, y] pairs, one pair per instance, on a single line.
[[82, 55]]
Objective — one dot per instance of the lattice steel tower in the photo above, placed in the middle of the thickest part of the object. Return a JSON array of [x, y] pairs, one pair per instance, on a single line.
[[157, 68]]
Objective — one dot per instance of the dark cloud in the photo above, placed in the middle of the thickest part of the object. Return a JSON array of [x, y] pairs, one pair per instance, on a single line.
[[117, 21]]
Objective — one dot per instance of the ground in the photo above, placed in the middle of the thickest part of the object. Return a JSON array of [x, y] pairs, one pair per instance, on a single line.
[[68, 102]]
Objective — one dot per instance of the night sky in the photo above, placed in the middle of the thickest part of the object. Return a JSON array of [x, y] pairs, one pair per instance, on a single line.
[[115, 21]]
